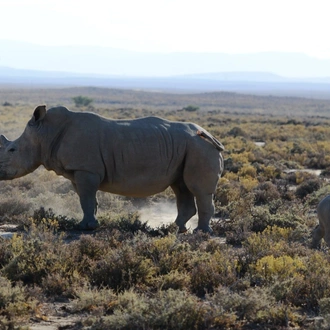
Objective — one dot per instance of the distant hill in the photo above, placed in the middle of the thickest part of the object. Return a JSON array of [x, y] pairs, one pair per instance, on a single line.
[[261, 83], [288, 74], [110, 61], [256, 77]]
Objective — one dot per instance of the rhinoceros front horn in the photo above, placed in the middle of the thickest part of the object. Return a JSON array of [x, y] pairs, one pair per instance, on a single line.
[[3, 141]]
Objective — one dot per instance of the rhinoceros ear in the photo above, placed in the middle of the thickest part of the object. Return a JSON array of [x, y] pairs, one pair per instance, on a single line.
[[3, 141], [39, 112]]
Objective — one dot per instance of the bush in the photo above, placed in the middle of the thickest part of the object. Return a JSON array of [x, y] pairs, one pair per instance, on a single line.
[[36, 255], [190, 108], [121, 269], [266, 192], [168, 254], [308, 187], [216, 270], [15, 303], [269, 268], [173, 310], [44, 217], [126, 223], [314, 285], [82, 101], [254, 307]]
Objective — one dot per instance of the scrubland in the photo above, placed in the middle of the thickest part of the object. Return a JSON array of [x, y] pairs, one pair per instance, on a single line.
[[256, 272]]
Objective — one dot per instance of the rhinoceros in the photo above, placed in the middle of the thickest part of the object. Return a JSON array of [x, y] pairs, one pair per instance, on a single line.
[[135, 158], [322, 230]]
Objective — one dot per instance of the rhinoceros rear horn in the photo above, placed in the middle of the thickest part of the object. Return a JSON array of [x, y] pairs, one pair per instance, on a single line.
[[39, 113], [3, 141]]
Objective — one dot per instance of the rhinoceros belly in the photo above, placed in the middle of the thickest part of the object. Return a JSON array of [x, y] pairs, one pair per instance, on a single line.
[[141, 184]]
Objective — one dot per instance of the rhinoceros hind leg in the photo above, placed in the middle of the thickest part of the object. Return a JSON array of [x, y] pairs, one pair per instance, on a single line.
[[86, 185], [205, 209], [186, 206], [327, 237], [317, 235]]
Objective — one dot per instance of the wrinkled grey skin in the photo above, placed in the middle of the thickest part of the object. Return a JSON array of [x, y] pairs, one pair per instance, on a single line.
[[322, 230], [134, 158]]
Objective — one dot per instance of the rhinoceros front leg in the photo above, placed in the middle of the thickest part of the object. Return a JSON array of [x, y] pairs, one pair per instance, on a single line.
[[86, 185], [317, 235]]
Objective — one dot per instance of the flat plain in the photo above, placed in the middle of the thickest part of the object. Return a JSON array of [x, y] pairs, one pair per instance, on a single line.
[[135, 272]]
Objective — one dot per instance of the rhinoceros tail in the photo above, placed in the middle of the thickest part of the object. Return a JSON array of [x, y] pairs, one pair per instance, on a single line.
[[216, 143]]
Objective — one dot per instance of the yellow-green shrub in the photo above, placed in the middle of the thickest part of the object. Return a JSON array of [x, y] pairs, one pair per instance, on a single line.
[[269, 268]]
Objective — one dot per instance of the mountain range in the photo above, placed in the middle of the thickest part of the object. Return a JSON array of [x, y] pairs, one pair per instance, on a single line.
[[263, 73]]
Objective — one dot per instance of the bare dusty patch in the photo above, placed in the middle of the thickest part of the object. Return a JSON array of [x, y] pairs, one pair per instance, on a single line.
[[162, 213], [54, 316]]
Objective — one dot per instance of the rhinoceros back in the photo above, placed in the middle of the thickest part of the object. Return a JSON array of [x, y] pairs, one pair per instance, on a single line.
[[144, 152]]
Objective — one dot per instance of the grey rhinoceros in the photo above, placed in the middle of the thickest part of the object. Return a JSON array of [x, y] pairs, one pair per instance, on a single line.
[[135, 158], [322, 230]]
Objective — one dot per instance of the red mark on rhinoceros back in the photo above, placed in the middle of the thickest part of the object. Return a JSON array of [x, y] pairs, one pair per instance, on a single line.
[[201, 134], [211, 139]]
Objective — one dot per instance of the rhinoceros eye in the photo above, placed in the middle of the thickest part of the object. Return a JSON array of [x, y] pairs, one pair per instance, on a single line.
[[12, 150]]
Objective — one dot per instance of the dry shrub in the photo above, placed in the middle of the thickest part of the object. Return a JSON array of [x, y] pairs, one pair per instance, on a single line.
[[13, 205], [91, 247], [324, 304], [121, 269], [173, 280], [275, 214], [314, 285], [272, 241], [238, 227], [269, 268], [308, 187], [164, 310], [303, 176], [211, 271], [6, 254], [252, 308], [36, 255], [62, 284], [237, 131], [125, 222], [168, 253], [15, 303], [266, 192], [247, 171], [47, 217], [97, 301], [227, 191]]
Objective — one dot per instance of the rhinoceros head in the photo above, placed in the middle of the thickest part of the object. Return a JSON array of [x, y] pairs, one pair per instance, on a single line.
[[22, 156]]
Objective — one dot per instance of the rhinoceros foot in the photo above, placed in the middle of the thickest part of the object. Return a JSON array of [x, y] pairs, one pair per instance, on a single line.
[[91, 225], [182, 230], [206, 230]]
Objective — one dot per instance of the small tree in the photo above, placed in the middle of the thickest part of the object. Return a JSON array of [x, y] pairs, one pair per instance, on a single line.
[[82, 101], [191, 108]]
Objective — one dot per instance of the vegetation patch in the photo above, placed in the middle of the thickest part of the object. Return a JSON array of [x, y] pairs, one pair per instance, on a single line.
[[256, 272]]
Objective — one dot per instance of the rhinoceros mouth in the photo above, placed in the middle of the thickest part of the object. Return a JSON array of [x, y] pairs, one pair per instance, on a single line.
[[4, 175]]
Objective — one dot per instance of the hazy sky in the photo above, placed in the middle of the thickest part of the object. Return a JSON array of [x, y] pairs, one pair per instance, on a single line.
[[229, 26]]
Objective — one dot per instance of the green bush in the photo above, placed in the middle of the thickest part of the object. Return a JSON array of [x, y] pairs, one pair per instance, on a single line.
[[190, 108], [82, 101]]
